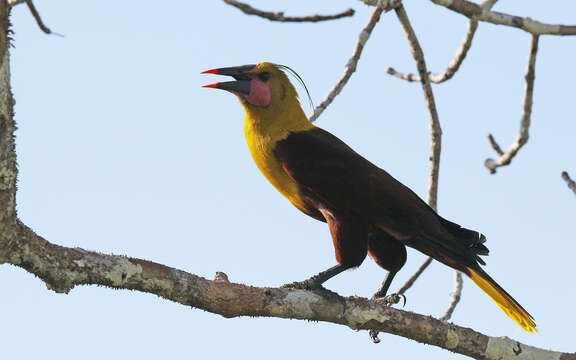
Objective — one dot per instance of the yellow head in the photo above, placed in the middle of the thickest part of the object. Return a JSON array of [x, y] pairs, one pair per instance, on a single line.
[[265, 92]]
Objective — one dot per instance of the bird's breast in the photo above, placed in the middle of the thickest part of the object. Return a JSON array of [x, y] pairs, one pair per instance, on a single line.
[[261, 148]]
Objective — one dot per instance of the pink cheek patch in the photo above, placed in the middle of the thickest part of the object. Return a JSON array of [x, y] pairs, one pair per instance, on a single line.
[[260, 94]]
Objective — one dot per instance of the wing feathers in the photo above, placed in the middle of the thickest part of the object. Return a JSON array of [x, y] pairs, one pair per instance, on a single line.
[[332, 174]]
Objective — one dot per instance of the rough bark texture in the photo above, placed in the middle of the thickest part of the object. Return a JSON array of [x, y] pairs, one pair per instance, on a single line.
[[8, 170], [63, 268], [472, 10]]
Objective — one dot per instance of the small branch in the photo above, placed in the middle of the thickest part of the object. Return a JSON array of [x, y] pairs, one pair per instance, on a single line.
[[37, 17], [405, 76], [63, 268], [495, 145], [353, 61], [472, 10], [408, 284], [279, 16], [458, 59], [522, 138], [435, 129], [454, 296], [571, 184], [15, 2]]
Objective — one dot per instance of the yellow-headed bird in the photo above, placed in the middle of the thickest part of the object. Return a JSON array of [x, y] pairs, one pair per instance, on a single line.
[[367, 210]]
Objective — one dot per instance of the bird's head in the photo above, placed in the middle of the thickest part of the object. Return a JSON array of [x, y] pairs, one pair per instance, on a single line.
[[262, 89]]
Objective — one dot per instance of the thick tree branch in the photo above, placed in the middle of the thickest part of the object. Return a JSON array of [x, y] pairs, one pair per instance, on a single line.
[[353, 61], [458, 59], [522, 138], [571, 184], [63, 268], [472, 10], [8, 169], [279, 16]]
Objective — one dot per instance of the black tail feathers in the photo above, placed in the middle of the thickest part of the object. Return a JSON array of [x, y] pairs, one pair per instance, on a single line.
[[473, 239]]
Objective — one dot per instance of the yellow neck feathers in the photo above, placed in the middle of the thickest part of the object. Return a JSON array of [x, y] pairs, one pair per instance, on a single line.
[[282, 116], [265, 126]]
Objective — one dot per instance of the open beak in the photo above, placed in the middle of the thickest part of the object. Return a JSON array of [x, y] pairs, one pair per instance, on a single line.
[[242, 83]]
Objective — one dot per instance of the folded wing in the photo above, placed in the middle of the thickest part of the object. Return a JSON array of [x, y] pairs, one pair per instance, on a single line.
[[331, 174]]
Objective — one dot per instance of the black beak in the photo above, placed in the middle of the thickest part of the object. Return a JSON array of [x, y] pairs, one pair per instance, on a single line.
[[242, 83]]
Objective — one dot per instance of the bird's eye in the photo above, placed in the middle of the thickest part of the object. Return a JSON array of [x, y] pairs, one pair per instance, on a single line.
[[264, 76]]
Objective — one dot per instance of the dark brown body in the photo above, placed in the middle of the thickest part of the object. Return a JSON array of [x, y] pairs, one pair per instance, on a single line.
[[369, 211]]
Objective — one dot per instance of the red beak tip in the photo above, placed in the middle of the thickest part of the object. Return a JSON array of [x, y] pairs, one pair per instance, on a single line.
[[215, 85], [211, 71]]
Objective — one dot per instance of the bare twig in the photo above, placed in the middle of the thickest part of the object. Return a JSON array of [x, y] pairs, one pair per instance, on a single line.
[[571, 184], [436, 140], [15, 2], [458, 59], [522, 138], [435, 129], [405, 76], [37, 17], [495, 145], [353, 61], [455, 296], [471, 10], [408, 284], [279, 16]]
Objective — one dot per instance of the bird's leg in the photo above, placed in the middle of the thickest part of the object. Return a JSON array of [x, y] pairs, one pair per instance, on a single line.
[[391, 299], [316, 281], [380, 296]]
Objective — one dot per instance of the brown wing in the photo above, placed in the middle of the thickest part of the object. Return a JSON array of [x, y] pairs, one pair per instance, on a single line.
[[332, 175]]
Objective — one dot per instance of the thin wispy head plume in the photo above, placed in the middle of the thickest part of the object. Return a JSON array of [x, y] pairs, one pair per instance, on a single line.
[[295, 74]]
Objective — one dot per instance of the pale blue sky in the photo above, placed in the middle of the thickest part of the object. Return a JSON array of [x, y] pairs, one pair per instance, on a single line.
[[121, 151]]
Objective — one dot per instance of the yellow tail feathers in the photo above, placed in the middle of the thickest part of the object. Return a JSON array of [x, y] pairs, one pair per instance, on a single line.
[[504, 301]]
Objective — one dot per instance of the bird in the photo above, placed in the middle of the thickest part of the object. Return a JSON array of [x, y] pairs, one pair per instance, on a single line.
[[368, 211]]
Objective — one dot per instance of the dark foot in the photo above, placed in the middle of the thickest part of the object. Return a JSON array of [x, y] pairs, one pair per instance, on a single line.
[[390, 300], [316, 281], [374, 336]]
